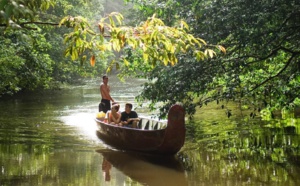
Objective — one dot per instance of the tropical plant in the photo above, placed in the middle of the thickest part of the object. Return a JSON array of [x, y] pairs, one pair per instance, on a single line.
[[261, 66]]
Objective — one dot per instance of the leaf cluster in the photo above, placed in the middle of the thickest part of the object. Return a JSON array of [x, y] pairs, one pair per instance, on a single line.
[[159, 43], [14, 12]]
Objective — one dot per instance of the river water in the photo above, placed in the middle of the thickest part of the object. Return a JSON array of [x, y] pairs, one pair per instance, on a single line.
[[50, 139]]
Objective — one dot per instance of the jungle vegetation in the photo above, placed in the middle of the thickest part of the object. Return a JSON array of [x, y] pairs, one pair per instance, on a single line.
[[32, 50], [193, 52], [260, 69]]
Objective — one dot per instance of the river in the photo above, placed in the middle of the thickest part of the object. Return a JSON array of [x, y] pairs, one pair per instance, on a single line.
[[50, 139]]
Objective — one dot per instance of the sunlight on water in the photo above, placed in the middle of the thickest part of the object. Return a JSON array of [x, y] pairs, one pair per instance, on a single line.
[[84, 122]]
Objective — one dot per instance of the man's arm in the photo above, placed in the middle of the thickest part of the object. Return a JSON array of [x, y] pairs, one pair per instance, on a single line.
[[134, 117]]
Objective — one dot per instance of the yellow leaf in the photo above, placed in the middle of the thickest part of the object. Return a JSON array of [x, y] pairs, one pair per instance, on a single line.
[[165, 59], [173, 60], [145, 57], [183, 25], [119, 18], [222, 48], [202, 41], [210, 53], [200, 55], [115, 44], [126, 62], [108, 70], [111, 21], [145, 26], [92, 61], [74, 55]]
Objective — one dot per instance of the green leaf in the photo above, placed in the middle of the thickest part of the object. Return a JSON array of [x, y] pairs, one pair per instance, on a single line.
[[3, 3]]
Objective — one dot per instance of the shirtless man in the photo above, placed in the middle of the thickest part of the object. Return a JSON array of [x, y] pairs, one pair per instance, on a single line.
[[105, 94]]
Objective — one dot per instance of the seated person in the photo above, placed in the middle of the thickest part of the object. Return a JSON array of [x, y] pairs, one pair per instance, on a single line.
[[107, 113], [113, 116], [129, 118]]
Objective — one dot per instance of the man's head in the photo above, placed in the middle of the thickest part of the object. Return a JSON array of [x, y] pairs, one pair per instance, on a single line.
[[128, 107], [105, 78]]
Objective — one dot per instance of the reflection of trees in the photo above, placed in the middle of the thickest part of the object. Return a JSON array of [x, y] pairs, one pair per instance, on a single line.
[[47, 153], [245, 153], [26, 166]]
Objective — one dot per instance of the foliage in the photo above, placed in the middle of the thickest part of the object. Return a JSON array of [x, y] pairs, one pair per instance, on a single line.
[[261, 66], [65, 69], [31, 45], [260, 69], [159, 43], [16, 71]]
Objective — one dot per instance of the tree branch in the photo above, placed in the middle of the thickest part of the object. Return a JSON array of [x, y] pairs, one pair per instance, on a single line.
[[272, 77]]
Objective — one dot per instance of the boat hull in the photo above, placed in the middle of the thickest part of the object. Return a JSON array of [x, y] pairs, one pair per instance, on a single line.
[[167, 140]]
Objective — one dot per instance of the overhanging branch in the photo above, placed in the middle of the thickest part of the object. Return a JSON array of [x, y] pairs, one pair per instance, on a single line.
[[272, 77]]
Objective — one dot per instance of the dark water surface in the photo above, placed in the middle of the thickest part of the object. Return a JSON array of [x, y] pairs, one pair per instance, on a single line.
[[50, 139]]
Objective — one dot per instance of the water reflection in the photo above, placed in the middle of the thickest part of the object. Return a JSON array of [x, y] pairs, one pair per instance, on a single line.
[[244, 152], [106, 168], [144, 169]]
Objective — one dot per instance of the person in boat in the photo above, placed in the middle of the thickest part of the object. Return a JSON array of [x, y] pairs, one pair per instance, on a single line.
[[108, 112], [114, 115], [129, 118], [105, 95]]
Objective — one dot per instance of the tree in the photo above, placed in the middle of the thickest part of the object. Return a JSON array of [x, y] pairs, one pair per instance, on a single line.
[[158, 43], [31, 44], [261, 66]]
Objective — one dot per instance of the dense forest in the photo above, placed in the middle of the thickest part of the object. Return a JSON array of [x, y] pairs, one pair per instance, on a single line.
[[32, 43], [260, 69], [191, 51]]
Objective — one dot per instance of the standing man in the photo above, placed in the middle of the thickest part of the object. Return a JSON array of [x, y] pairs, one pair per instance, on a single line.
[[129, 118], [105, 94]]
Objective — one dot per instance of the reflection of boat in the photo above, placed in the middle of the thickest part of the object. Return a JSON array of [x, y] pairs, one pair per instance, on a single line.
[[146, 169], [151, 137]]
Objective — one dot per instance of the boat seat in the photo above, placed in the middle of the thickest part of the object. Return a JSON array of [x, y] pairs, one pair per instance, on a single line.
[[155, 126], [162, 125], [147, 125], [140, 124]]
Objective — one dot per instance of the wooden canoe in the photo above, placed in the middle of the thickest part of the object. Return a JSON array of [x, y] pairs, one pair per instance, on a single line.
[[155, 137]]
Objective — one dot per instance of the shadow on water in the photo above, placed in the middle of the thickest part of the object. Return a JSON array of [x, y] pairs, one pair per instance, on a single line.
[[145, 169]]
